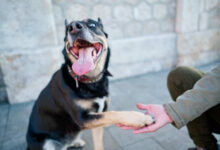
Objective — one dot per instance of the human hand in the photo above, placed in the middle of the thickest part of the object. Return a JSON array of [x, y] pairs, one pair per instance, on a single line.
[[161, 118]]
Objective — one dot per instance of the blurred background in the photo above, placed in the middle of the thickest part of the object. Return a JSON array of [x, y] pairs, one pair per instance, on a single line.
[[147, 38], [144, 36]]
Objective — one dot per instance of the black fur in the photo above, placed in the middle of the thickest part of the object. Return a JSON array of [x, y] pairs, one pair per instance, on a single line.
[[55, 114]]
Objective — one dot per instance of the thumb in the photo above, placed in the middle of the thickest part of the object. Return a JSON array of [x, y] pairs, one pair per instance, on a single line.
[[141, 106]]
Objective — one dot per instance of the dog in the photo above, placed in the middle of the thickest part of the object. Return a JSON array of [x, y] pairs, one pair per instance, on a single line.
[[77, 96]]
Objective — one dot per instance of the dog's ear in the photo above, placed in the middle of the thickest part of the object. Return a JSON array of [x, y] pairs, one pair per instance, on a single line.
[[66, 29], [66, 22], [100, 23], [106, 34]]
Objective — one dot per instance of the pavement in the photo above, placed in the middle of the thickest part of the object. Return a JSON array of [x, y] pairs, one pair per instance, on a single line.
[[125, 93]]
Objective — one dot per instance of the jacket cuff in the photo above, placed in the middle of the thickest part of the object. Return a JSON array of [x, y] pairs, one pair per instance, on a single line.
[[178, 121]]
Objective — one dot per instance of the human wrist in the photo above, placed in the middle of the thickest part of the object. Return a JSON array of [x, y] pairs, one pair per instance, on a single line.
[[170, 120]]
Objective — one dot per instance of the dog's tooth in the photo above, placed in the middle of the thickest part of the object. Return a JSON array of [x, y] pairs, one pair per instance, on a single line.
[[94, 53]]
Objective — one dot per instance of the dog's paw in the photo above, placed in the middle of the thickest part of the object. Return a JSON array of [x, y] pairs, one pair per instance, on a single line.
[[78, 143], [136, 119]]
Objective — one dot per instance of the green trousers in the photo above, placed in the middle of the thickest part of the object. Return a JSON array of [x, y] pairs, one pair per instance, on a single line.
[[200, 129]]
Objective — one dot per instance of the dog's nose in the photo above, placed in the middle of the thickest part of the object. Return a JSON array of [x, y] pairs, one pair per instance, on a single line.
[[79, 26], [75, 27]]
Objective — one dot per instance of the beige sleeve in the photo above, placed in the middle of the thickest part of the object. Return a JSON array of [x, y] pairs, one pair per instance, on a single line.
[[190, 105]]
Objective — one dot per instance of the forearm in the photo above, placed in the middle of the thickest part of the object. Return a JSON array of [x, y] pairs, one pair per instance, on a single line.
[[190, 105]]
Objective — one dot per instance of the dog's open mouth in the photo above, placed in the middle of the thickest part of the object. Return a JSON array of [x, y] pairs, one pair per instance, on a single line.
[[86, 55], [80, 45]]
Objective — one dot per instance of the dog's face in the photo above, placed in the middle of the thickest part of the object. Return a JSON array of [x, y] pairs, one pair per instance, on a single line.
[[86, 46]]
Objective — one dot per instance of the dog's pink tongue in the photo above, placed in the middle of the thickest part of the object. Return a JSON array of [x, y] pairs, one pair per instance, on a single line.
[[85, 63]]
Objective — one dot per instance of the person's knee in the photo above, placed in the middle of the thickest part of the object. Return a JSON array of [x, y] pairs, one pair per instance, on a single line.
[[174, 75], [177, 81]]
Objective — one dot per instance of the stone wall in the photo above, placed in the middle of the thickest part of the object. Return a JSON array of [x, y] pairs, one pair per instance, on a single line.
[[135, 28], [144, 35], [198, 31]]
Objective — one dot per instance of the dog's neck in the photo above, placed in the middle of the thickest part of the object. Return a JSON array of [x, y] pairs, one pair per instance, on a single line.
[[84, 78], [86, 90]]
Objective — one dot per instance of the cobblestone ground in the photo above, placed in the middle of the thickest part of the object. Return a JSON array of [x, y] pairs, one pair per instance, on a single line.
[[147, 88]]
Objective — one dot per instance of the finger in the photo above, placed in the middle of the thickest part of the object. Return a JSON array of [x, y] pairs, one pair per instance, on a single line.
[[141, 106], [119, 125], [149, 129], [128, 128]]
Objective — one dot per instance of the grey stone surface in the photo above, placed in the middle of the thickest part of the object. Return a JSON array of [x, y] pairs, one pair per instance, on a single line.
[[26, 73], [187, 15], [151, 27], [34, 30], [123, 13], [133, 28], [194, 49], [4, 111], [159, 11], [210, 4], [142, 52], [200, 58], [125, 93], [195, 42], [3, 94], [145, 143], [142, 11], [103, 11], [27, 24]]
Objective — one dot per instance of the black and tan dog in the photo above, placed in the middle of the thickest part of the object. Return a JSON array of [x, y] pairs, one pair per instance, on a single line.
[[76, 98]]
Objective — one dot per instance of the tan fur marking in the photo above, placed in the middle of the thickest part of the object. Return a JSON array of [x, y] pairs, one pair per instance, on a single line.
[[128, 118], [86, 104], [97, 135]]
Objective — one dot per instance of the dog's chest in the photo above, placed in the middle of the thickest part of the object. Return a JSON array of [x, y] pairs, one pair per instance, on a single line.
[[94, 105], [100, 102]]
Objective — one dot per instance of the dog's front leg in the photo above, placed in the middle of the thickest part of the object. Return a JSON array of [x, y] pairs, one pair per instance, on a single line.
[[128, 118], [97, 135]]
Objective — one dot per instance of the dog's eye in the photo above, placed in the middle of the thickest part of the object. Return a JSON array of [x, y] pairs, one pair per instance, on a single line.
[[92, 25]]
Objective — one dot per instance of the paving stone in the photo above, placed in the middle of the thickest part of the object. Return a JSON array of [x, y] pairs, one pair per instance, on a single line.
[[18, 120], [125, 138], [4, 110], [148, 144], [15, 144], [109, 142], [173, 140]]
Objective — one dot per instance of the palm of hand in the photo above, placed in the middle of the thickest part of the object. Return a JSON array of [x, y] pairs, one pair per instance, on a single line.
[[158, 112]]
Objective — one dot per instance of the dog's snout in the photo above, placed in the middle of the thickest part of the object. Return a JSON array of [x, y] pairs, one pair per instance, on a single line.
[[75, 27]]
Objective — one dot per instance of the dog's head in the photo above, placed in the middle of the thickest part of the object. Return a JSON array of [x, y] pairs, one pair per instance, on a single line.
[[86, 47]]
